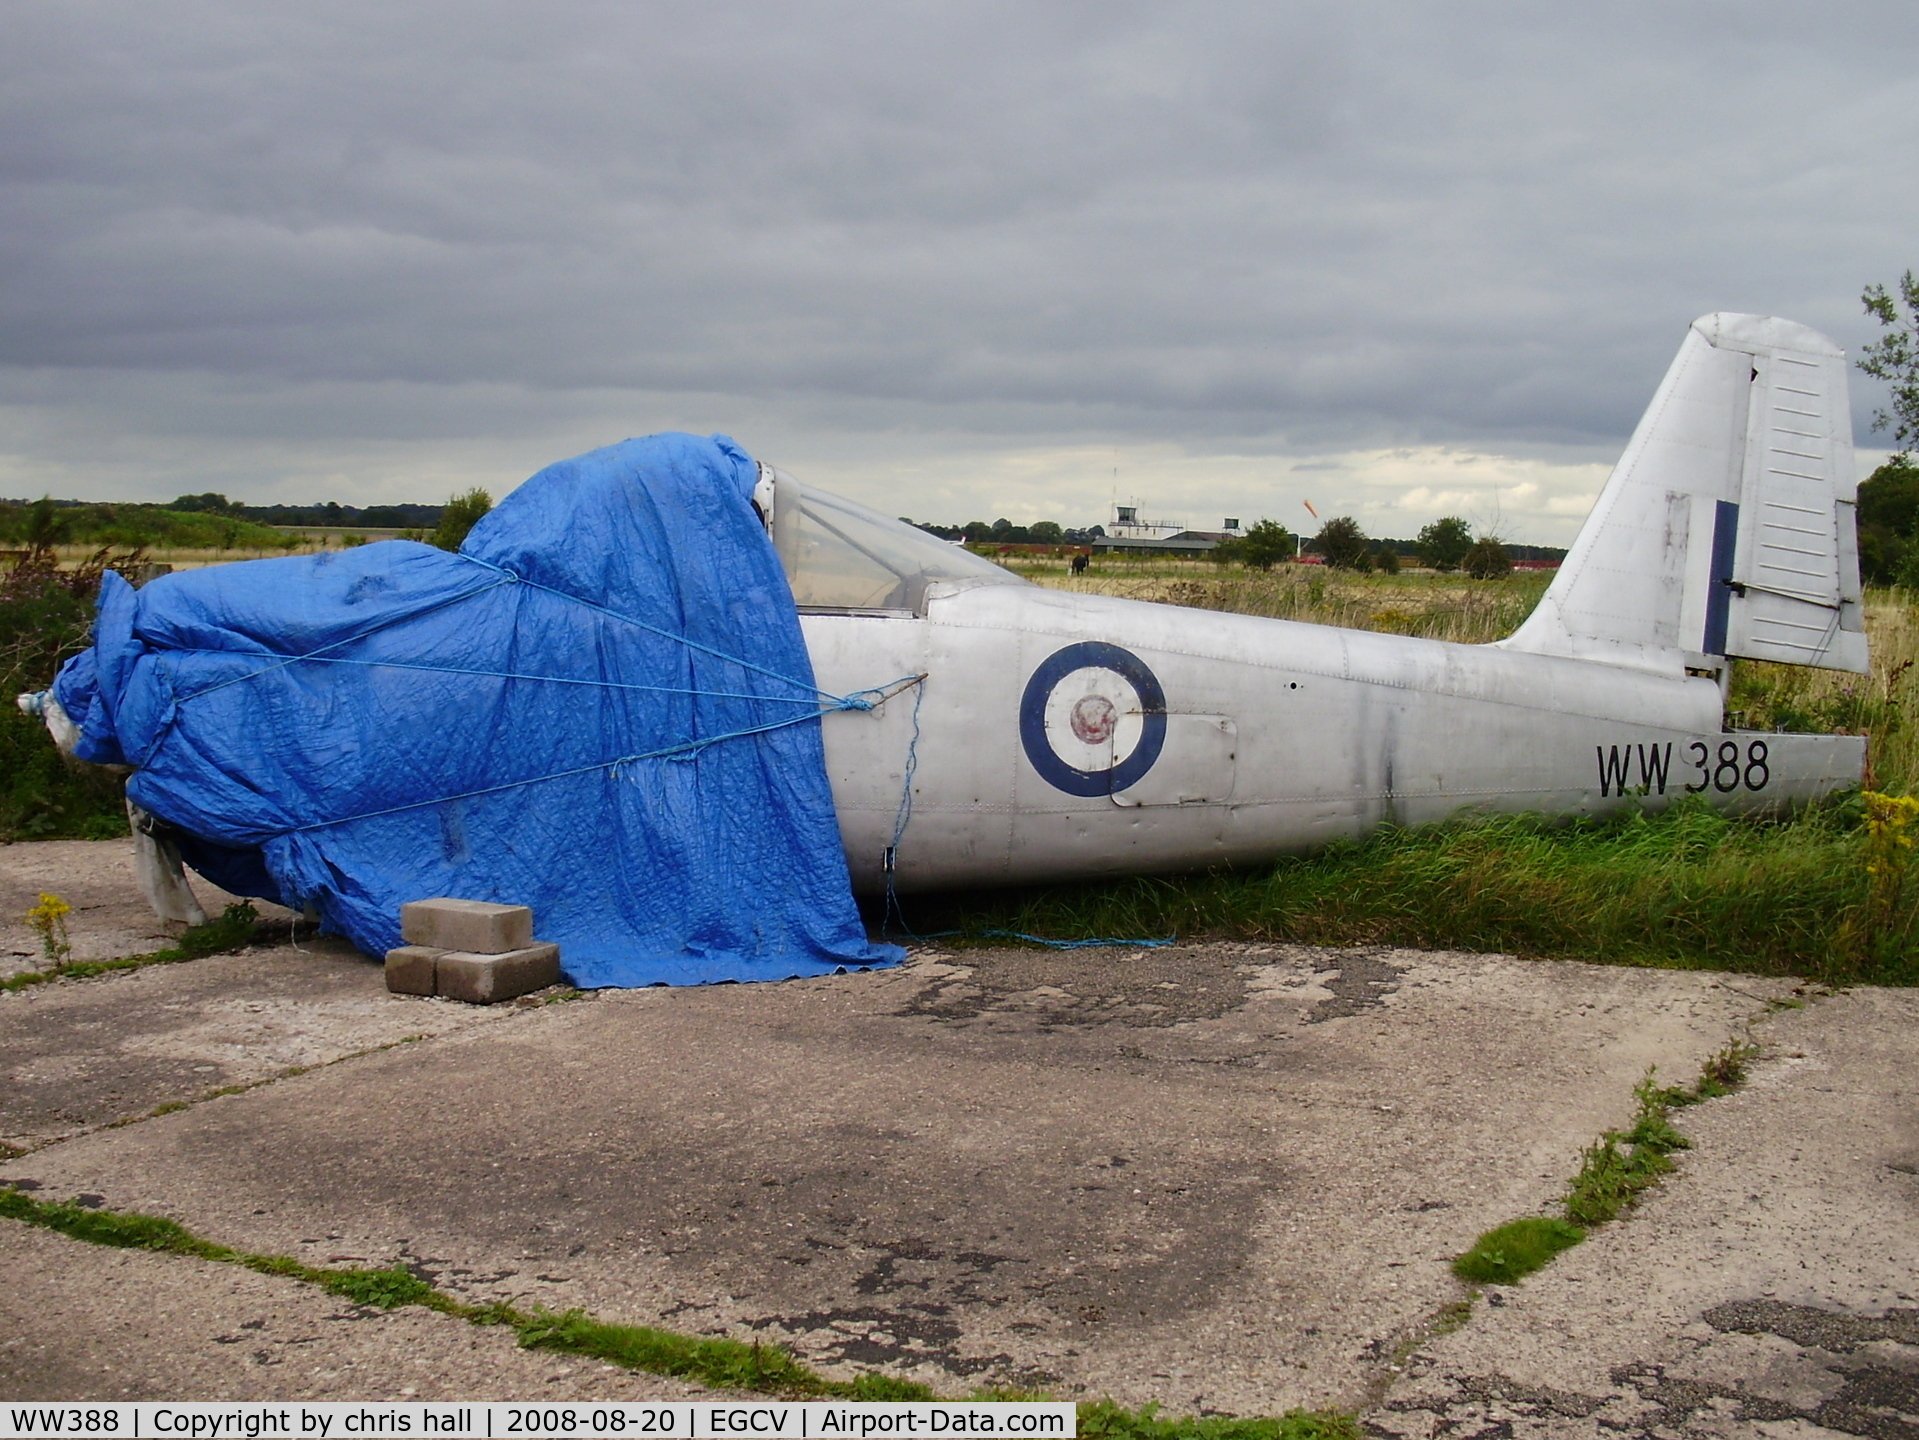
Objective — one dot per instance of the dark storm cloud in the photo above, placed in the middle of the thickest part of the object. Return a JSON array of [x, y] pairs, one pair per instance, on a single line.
[[1322, 225]]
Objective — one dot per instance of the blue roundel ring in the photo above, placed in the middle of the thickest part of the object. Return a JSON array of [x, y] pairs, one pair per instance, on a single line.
[[1091, 654]]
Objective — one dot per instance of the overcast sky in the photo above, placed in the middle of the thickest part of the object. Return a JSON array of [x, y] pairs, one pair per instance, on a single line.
[[959, 260]]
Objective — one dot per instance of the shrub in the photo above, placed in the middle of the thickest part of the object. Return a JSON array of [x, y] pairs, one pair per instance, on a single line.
[[1444, 543], [1344, 544], [1487, 560], [462, 513]]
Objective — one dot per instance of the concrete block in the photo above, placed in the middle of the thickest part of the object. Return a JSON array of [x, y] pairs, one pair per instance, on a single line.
[[473, 926], [413, 970], [486, 979]]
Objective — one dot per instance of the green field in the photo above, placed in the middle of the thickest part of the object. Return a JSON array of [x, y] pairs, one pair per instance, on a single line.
[[78, 530], [1414, 602]]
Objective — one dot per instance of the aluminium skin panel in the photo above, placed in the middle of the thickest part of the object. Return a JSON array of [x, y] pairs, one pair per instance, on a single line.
[[1337, 731]]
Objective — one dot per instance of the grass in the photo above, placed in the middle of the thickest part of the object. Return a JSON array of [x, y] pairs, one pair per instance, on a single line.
[[87, 527], [1508, 1253], [1104, 1420], [1438, 607], [718, 1361], [42, 795], [712, 1360], [1621, 1164], [233, 929], [1687, 888], [1614, 1171], [1823, 893]]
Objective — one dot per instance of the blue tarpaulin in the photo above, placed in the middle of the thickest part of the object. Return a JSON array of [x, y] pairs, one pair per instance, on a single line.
[[601, 707]]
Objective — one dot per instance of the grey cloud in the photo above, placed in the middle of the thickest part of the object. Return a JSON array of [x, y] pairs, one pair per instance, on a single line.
[[1318, 225]]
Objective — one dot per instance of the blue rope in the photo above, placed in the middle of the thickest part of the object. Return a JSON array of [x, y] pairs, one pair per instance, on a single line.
[[685, 747], [1053, 944], [901, 819], [843, 702], [904, 817], [1082, 944], [315, 654], [655, 629]]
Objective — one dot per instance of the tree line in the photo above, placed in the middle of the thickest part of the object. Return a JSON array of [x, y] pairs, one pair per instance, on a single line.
[[213, 522], [1446, 545]]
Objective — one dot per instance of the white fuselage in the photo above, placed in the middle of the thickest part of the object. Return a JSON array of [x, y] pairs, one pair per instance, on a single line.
[[1279, 737]]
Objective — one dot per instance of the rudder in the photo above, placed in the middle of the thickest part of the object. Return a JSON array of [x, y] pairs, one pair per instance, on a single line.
[[1726, 529]]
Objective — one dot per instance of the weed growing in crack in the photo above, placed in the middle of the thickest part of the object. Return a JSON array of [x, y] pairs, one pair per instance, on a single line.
[[732, 1364], [711, 1360], [1723, 1072], [1510, 1252], [49, 921], [1104, 1420], [1614, 1171], [230, 930], [1617, 1167], [233, 929]]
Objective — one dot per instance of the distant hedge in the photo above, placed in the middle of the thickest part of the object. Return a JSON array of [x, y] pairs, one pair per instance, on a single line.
[[151, 526]]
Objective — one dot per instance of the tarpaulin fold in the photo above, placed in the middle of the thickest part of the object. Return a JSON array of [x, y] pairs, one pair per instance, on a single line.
[[390, 722]]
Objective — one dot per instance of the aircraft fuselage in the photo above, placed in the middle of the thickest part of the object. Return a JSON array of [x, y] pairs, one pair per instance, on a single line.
[[1272, 737]]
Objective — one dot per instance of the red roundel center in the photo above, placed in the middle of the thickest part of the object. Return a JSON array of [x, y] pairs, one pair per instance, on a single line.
[[1093, 719]]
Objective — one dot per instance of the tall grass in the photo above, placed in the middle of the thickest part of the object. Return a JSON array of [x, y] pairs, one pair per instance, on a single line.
[[1823, 893], [1881, 705], [87, 527], [1439, 607], [1689, 888], [44, 619]]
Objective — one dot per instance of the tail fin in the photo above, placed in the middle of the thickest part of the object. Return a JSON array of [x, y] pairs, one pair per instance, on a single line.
[[1727, 526]]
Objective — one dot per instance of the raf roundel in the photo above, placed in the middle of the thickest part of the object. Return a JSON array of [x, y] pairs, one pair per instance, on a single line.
[[1093, 719]]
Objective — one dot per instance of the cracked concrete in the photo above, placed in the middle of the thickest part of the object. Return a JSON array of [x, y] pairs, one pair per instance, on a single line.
[[79, 1054], [81, 1321], [95, 877], [1221, 1176], [1770, 1287]]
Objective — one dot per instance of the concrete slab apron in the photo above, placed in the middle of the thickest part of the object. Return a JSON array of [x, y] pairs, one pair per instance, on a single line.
[[1219, 1176], [109, 920], [80, 1321], [79, 1054], [1769, 1287]]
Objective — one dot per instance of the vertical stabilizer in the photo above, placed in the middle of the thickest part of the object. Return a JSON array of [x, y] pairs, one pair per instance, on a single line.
[[1726, 528]]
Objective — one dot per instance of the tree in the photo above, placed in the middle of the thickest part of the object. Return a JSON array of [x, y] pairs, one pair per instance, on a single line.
[[1046, 532], [1888, 515], [1444, 543], [1385, 558], [1487, 559], [1265, 545], [45, 526], [461, 514], [210, 503], [1343, 544], [1894, 358]]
